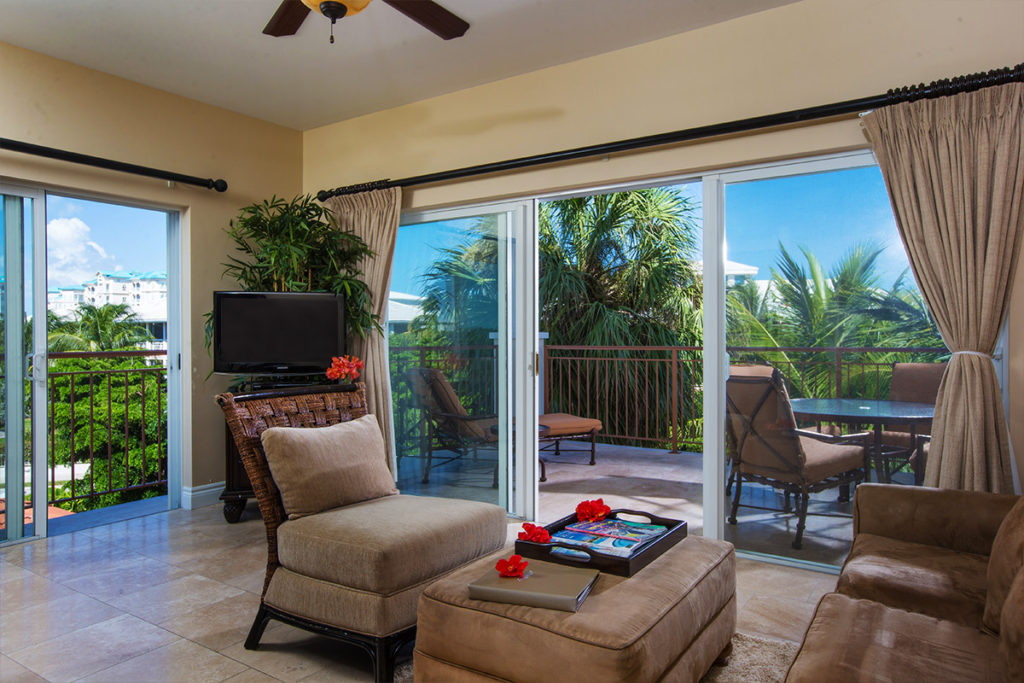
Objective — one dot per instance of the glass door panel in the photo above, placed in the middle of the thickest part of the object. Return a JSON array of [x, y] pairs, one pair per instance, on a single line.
[[451, 317], [23, 476], [817, 291]]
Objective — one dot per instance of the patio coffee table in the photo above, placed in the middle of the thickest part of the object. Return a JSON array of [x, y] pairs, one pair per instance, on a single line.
[[670, 621], [877, 412]]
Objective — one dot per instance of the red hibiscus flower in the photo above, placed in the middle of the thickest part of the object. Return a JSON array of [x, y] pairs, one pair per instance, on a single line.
[[592, 510], [535, 533], [513, 567], [345, 367]]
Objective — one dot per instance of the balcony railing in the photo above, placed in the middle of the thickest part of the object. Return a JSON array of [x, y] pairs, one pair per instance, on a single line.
[[653, 395], [107, 428], [643, 395]]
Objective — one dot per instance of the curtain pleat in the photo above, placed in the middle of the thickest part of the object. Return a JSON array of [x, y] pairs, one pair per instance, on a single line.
[[374, 216], [954, 170]]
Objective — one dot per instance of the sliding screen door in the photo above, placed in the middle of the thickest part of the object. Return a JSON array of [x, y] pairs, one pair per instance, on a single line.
[[462, 334]]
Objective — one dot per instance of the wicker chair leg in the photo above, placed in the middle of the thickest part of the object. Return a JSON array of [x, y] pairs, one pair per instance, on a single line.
[[736, 499], [593, 446], [259, 624], [803, 499], [543, 469]]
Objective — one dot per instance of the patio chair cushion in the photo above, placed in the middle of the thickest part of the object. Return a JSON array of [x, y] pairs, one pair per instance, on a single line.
[[322, 468], [564, 424], [387, 544], [1005, 562], [823, 460], [929, 579]]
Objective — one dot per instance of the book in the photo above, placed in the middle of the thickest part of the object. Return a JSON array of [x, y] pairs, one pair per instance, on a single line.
[[620, 547], [619, 528], [547, 585]]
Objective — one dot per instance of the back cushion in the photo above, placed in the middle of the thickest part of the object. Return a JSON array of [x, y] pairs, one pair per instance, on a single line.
[[1004, 564], [320, 468]]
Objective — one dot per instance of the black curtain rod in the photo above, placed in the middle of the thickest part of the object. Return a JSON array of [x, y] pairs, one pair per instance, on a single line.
[[63, 155], [941, 88]]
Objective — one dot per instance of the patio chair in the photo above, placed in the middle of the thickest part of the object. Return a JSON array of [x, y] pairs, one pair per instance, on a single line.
[[448, 425], [769, 449], [348, 555], [917, 383]]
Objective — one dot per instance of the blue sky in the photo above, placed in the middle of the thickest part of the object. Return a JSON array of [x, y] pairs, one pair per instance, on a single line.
[[83, 237], [827, 212]]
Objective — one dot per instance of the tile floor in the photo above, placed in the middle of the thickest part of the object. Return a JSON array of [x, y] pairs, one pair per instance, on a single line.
[[170, 597]]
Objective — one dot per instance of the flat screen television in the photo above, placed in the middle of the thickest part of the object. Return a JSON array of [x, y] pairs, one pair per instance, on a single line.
[[277, 333]]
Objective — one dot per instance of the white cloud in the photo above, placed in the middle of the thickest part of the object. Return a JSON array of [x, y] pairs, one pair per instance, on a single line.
[[71, 256]]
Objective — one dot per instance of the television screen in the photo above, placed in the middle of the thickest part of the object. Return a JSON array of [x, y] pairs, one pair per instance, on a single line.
[[277, 333]]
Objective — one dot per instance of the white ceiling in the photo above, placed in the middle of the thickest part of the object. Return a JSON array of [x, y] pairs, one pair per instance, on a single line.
[[214, 51]]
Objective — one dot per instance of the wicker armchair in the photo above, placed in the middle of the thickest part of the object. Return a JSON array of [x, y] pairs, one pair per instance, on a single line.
[[344, 572]]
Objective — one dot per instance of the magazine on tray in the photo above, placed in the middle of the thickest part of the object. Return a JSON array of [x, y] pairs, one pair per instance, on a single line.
[[620, 547], [619, 528]]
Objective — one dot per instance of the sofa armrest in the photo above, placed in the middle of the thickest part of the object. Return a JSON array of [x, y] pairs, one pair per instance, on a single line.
[[965, 521]]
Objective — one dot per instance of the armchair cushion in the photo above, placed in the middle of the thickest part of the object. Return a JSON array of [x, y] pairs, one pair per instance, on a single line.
[[1011, 629], [320, 468], [388, 544], [1005, 563], [853, 641], [926, 579]]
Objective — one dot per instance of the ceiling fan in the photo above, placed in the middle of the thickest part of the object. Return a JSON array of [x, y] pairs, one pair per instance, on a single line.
[[291, 13]]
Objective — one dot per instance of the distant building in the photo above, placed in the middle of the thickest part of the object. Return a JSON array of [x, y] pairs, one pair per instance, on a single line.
[[144, 293], [402, 309], [735, 272]]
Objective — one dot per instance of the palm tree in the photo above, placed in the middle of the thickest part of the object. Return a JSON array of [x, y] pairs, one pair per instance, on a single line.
[[619, 269], [805, 309], [109, 327]]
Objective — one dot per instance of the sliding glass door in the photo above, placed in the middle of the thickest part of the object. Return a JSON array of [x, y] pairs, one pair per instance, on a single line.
[[818, 315], [22, 366], [462, 334]]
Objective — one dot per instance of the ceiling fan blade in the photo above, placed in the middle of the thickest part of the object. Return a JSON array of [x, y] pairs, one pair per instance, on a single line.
[[431, 16], [287, 19]]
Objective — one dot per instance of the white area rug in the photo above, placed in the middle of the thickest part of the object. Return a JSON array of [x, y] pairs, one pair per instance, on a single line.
[[754, 660]]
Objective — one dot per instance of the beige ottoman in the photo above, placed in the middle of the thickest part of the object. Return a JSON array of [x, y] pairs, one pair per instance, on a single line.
[[669, 622]]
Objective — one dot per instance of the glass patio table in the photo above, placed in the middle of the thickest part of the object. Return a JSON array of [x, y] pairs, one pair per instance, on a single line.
[[876, 412]]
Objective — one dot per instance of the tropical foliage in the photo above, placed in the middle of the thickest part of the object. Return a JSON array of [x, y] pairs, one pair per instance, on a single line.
[[619, 269], [292, 246], [109, 327], [109, 416], [108, 413], [805, 307]]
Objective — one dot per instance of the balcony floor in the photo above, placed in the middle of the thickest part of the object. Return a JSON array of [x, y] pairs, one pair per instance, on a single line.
[[170, 596], [669, 484]]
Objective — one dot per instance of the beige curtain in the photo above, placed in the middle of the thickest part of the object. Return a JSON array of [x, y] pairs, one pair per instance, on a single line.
[[954, 168], [374, 217]]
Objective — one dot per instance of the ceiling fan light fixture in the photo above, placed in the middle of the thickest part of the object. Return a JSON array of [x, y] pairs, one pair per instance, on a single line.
[[336, 9]]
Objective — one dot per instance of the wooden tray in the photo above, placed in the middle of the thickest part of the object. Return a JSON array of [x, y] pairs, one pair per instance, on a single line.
[[645, 553]]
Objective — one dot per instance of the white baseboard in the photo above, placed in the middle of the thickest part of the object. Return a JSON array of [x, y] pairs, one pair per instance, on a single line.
[[193, 497]]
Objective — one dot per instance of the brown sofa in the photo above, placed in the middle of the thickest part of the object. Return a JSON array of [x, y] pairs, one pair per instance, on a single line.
[[933, 590]]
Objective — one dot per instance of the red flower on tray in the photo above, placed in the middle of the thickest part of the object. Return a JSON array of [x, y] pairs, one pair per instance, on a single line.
[[592, 510], [512, 568], [534, 533], [345, 367]]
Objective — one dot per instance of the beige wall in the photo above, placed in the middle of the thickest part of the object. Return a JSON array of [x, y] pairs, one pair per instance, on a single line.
[[804, 54], [57, 104]]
